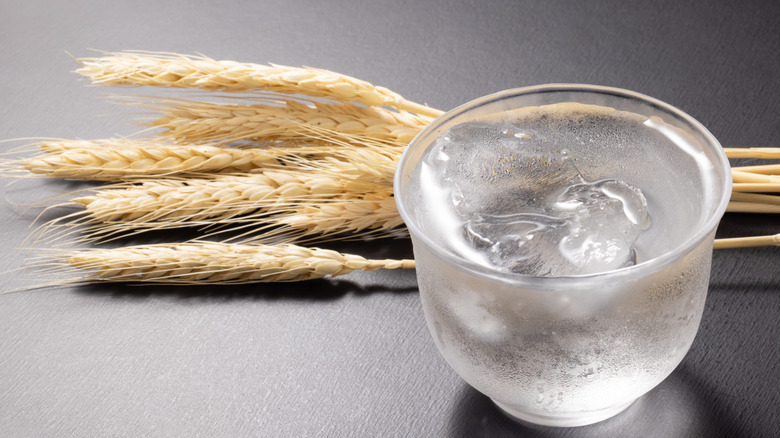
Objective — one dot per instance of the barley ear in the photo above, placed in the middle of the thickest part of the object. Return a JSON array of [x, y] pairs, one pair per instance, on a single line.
[[175, 70], [219, 263]]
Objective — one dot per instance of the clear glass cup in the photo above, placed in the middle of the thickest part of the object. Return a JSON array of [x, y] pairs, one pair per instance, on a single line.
[[577, 349]]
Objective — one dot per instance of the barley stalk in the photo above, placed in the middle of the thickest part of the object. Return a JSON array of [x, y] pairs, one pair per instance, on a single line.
[[740, 176], [214, 199], [346, 215], [122, 159], [756, 187], [203, 263], [174, 70], [764, 153], [116, 159], [757, 198], [741, 202], [751, 207], [198, 122], [220, 263], [746, 242], [764, 169]]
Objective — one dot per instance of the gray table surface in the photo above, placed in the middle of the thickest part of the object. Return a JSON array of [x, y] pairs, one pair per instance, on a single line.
[[353, 357]]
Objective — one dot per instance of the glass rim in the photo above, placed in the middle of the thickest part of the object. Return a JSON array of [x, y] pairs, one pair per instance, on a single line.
[[654, 264]]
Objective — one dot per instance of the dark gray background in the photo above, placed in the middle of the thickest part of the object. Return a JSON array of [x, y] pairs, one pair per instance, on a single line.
[[353, 357]]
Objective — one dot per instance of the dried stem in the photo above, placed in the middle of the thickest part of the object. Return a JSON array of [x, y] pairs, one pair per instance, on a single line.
[[764, 169], [751, 207], [757, 198], [765, 153], [745, 242], [756, 187], [750, 177]]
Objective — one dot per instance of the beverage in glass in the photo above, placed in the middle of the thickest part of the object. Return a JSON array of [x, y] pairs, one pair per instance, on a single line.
[[563, 239]]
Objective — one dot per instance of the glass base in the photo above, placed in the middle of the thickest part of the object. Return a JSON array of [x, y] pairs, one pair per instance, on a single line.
[[565, 420]]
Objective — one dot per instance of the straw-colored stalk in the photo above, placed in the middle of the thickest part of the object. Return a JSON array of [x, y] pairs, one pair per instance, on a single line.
[[749, 194], [756, 187], [762, 169], [753, 203], [198, 122], [742, 176], [762, 153], [755, 198], [746, 242], [752, 207], [175, 70], [219, 263]]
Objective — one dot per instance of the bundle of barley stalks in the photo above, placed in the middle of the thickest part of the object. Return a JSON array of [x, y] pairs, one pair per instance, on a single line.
[[271, 159]]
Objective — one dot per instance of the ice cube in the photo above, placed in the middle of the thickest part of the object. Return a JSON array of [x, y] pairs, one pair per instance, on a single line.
[[498, 169], [589, 228], [519, 243], [504, 203], [604, 220]]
